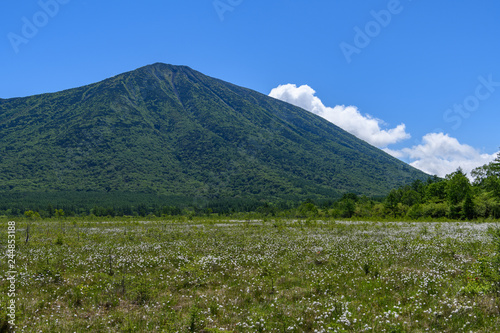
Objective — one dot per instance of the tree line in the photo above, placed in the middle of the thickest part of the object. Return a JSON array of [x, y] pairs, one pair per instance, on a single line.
[[455, 197]]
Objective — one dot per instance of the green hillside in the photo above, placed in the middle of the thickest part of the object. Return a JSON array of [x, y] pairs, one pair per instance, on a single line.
[[172, 131]]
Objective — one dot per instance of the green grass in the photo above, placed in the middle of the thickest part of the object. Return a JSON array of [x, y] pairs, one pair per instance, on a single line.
[[251, 276]]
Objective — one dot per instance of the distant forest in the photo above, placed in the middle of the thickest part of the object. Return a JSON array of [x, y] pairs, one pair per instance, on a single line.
[[455, 197]]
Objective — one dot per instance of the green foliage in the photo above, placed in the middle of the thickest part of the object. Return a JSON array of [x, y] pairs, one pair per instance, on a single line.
[[140, 292], [348, 204], [475, 286], [194, 320], [415, 212], [349, 208], [410, 197], [457, 187], [468, 207], [308, 209], [58, 213], [487, 177], [490, 266], [59, 240], [436, 191], [392, 201], [484, 175], [453, 197], [32, 215], [4, 322], [369, 268]]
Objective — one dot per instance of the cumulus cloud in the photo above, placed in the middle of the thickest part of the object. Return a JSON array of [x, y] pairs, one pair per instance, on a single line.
[[439, 154], [348, 118]]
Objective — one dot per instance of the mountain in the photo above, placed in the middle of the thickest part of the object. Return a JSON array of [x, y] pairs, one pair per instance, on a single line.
[[173, 131]]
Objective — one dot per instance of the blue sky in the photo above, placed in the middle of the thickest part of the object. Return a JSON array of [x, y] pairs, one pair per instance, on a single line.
[[420, 79]]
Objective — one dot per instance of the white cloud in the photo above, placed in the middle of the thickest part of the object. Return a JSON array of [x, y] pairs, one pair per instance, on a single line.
[[439, 154], [395, 153], [348, 118]]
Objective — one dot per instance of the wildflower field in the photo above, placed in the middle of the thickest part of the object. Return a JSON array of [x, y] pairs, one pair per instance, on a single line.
[[213, 275]]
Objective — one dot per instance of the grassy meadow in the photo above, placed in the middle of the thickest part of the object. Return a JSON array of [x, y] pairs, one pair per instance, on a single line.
[[212, 275]]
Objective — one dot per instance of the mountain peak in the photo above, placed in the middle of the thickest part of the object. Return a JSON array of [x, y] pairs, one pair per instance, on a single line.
[[162, 67]]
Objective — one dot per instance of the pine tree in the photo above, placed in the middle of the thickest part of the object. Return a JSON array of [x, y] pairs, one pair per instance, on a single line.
[[468, 208]]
